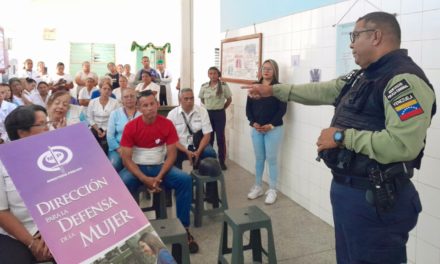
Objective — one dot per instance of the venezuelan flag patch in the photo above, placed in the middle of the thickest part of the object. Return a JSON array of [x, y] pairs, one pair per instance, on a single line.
[[407, 106]]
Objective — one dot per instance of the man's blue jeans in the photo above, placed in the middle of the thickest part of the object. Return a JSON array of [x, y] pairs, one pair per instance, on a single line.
[[175, 179], [208, 152]]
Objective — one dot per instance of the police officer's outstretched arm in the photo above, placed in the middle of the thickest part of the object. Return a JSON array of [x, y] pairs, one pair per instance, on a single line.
[[407, 118], [322, 93]]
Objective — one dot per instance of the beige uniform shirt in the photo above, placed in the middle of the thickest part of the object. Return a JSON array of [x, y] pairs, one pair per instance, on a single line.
[[211, 100]]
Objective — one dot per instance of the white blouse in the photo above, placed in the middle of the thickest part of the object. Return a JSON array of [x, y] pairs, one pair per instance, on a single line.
[[98, 115]]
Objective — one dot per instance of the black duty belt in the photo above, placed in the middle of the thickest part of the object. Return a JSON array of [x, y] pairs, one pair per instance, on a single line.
[[362, 183]]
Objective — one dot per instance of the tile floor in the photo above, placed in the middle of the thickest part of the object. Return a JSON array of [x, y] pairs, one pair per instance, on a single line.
[[300, 237]]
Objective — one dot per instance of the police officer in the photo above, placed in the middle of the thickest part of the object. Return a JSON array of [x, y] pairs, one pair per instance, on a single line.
[[376, 139], [216, 96]]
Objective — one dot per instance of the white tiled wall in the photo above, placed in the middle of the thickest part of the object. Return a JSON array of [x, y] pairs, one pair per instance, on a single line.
[[311, 35]]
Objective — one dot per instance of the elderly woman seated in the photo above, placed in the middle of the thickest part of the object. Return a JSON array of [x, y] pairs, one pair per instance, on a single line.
[[102, 80], [61, 113], [98, 114], [118, 119], [20, 241]]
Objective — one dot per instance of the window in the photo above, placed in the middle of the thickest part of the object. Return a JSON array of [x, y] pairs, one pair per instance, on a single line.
[[97, 54]]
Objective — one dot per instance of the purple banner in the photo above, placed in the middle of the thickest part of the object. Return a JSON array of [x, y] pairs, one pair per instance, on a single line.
[[80, 205]]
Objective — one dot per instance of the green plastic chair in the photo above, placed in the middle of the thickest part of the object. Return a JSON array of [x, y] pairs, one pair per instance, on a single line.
[[240, 220], [198, 208], [171, 231]]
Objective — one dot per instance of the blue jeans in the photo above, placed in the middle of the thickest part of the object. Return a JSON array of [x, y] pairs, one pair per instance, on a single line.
[[116, 160], [208, 152], [266, 147], [366, 235], [175, 179]]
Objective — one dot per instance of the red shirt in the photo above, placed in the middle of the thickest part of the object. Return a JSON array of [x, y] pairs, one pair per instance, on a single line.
[[139, 134]]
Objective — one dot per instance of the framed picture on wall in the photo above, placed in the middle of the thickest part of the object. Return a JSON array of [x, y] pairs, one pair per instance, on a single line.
[[241, 58]]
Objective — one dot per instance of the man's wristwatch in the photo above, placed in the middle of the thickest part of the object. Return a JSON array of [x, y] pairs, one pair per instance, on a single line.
[[338, 137]]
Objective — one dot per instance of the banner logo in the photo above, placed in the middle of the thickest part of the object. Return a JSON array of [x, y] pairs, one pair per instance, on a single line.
[[55, 158]]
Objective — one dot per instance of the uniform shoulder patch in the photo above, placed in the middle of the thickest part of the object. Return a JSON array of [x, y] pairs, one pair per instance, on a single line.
[[397, 89], [407, 106], [349, 76]]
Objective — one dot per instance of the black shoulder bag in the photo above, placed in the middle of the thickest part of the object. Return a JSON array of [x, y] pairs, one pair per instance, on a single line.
[[197, 137]]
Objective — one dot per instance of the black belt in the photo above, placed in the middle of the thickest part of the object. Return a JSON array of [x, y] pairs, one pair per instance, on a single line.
[[362, 183], [352, 181], [216, 110]]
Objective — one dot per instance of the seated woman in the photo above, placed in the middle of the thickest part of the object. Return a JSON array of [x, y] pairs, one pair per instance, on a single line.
[[8, 93], [61, 113], [86, 92], [42, 96], [20, 241], [61, 81], [104, 79], [98, 114], [148, 84], [118, 119], [123, 84]]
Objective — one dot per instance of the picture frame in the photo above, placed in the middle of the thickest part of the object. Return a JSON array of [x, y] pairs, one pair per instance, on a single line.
[[241, 58]]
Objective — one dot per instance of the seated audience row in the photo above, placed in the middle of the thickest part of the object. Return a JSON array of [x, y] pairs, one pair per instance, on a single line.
[[146, 149]]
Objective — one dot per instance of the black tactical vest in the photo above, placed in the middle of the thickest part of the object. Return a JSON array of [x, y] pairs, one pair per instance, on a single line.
[[360, 103]]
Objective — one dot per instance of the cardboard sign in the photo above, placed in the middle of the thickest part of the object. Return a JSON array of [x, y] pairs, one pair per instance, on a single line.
[[80, 205]]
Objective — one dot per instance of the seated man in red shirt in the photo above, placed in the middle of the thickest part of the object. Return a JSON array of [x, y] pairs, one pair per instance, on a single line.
[[148, 151]]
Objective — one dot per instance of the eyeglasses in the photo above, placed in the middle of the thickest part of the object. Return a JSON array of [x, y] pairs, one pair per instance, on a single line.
[[266, 69], [45, 124], [355, 34]]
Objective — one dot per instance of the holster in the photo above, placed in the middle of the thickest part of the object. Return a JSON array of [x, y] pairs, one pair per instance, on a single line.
[[385, 184], [384, 179]]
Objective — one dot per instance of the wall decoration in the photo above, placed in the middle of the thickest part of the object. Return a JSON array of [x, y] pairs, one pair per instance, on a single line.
[[3, 52], [153, 52], [135, 45], [295, 60], [49, 33], [315, 75], [241, 58]]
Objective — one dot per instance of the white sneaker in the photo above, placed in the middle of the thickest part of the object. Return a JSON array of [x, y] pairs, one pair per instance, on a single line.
[[271, 196], [256, 191]]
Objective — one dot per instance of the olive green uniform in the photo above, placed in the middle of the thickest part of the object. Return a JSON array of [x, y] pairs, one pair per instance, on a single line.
[[400, 141]]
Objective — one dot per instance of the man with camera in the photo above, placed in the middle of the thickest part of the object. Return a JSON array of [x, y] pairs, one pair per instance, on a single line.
[[194, 130]]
